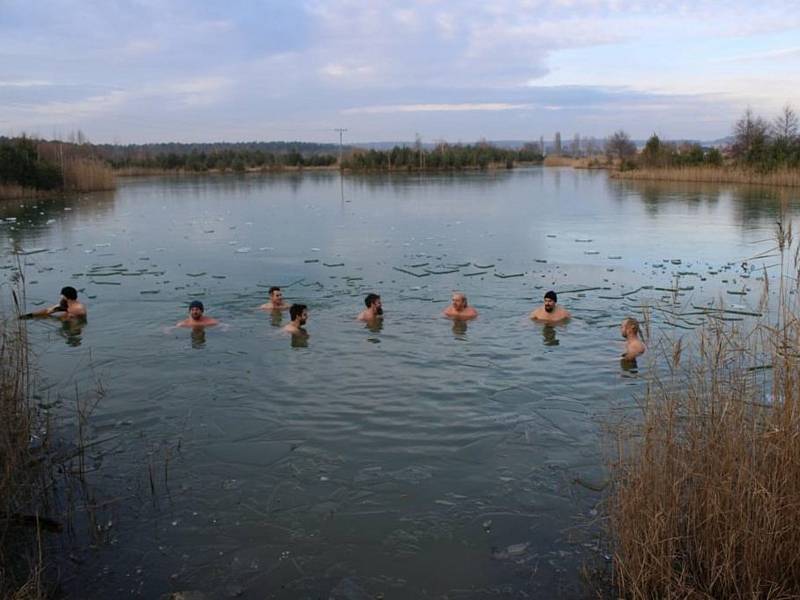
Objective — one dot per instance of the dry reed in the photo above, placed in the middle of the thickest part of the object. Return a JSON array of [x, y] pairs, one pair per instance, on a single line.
[[706, 484], [87, 174], [779, 177], [23, 435]]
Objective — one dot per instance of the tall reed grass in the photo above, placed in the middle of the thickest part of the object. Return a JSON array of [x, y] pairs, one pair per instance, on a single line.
[[706, 482], [710, 174], [23, 434], [88, 174]]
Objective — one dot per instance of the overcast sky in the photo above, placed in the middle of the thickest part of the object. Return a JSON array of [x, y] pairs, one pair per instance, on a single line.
[[460, 70]]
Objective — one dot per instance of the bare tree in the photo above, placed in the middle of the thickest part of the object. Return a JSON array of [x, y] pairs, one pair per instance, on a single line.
[[750, 136], [785, 126], [620, 146], [575, 147]]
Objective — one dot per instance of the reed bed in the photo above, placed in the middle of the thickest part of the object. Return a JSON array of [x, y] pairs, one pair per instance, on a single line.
[[88, 174], [10, 191], [23, 436], [706, 483], [710, 174]]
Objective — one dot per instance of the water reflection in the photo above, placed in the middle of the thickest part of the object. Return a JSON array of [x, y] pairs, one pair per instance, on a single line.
[[751, 205], [549, 335], [300, 340], [276, 318], [198, 337], [71, 330], [460, 329], [375, 326], [629, 365]]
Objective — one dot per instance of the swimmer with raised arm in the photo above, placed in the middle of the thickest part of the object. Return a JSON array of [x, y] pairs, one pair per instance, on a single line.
[[196, 317], [459, 308], [550, 312], [275, 300], [67, 308], [299, 315], [374, 310], [634, 346]]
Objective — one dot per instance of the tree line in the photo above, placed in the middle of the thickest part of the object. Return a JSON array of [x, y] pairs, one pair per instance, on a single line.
[[757, 144], [22, 164], [226, 159], [442, 157], [32, 164]]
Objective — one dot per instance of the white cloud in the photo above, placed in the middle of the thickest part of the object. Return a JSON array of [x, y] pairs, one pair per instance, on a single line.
[[81, 109], [460, 107], [771, 55], [25, 83]]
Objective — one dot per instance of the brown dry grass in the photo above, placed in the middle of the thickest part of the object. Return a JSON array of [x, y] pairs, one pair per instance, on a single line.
[[706, 484], [584, 162], [780, 177], [15, 192], [87, 175], [551, 160], [20, 482]]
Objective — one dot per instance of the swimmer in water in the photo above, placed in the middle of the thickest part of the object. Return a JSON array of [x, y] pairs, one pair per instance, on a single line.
[[196, 317], [299, 315], [67, 308], [459, 308], [275, 300], [550, 312], [634, 346], [374, 310]]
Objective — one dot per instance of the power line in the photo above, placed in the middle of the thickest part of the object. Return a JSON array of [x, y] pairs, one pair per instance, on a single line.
[[341, 130]]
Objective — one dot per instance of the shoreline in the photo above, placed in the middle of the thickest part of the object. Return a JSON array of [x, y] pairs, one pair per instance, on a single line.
[[719, 175], [144, 172]]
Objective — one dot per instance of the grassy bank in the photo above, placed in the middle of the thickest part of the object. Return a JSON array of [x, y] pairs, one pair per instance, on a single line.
[[706, 481], [586, 162], [711, 174]]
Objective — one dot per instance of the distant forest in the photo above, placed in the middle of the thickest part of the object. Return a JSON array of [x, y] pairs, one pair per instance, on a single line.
[[443, 157], [218, 156]]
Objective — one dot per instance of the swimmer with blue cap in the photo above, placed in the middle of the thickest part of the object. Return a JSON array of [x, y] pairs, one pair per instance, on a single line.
[[196, 317]]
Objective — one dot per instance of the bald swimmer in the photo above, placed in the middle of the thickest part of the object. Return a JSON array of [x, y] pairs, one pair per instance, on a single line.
[[459, 308]]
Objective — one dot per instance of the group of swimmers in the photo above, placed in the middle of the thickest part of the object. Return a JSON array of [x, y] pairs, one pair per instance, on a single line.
[[458, 310]]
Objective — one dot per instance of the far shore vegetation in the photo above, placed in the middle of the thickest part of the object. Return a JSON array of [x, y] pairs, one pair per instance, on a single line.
[[444, 156], [761, 152], [31, 168]]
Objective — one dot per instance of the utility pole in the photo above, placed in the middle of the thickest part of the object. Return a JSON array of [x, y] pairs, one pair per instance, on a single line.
[[341, 130]]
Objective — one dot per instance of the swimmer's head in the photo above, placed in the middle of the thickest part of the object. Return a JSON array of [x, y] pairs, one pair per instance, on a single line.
[[459, 301], [629, 326], [299, 313], [275, 295], [196, 309], [374, 300], [550, 299], [69, 292]]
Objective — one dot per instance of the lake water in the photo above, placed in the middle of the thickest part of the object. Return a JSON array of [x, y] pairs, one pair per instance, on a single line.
[[418, 460]]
